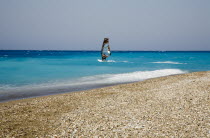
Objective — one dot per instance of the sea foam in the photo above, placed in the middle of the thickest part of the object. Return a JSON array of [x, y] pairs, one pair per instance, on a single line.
[[101, 79], [168, 62], [130, 77], [82, 83], [99, 60]]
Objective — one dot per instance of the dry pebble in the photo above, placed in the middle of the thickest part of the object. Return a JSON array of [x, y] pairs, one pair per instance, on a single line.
[[172, 106]]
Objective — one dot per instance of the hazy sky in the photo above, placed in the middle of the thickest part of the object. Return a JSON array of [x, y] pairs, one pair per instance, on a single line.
[[82, 24]]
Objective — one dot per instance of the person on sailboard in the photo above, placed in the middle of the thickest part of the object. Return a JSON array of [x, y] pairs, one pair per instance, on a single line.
[[105, 50]]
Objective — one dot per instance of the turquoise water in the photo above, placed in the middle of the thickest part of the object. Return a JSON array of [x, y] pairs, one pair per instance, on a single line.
[[34, 73]]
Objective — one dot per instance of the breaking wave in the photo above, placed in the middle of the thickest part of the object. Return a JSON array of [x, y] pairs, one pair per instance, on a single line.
[[168, 62], [83, 83], [99, 60]]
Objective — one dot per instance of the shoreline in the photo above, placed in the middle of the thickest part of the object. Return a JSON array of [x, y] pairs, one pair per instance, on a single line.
[[31, 91], [175, 105], [52, 92]]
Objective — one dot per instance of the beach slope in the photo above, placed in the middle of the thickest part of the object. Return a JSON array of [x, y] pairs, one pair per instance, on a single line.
[[168, 106]]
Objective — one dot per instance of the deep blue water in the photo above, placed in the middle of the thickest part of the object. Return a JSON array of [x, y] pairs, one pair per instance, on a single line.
[[34, 73]]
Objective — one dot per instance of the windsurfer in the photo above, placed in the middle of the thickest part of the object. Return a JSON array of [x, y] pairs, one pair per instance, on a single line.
[[105, 50]]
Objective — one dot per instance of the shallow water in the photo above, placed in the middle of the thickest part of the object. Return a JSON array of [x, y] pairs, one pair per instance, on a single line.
[[34, 73]]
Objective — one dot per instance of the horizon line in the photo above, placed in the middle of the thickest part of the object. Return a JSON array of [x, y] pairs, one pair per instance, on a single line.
[[98, 50]]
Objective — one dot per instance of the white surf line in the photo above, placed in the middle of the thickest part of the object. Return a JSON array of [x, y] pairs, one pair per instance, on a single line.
[[168, 62]]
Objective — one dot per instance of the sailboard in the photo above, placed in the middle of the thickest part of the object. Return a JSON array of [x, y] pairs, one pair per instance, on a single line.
[[105, 49]]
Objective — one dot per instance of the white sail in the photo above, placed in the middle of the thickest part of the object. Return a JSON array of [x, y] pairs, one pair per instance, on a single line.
[[105, 50]]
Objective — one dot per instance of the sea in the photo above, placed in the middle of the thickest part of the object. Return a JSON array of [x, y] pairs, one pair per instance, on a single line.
[[32, 73]]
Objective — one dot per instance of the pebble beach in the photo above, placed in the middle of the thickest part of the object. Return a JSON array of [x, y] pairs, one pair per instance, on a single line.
[[171, 106]]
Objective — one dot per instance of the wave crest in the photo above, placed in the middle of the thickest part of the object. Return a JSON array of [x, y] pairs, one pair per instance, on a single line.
[[99, 60], [168, 62], [106, 79], [9, 92]]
